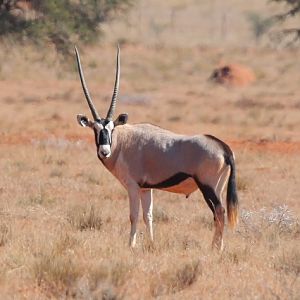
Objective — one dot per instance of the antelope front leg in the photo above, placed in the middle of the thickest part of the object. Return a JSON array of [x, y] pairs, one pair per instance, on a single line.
[[147, 204], [134, 204]]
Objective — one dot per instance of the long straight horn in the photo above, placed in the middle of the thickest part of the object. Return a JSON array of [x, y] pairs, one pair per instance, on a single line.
[[85, 89], [113, 103]]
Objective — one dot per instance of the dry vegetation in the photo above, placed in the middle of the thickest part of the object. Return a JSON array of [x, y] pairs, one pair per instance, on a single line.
[[64, 222]]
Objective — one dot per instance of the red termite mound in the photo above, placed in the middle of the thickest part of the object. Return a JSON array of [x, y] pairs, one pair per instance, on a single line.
[[233, 75]]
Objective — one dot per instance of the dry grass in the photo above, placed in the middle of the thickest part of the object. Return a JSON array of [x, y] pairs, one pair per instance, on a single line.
[[160, 215], [176, 279], [5, 234], [53, 264], [85, 218], [64, 221], [76, 245]]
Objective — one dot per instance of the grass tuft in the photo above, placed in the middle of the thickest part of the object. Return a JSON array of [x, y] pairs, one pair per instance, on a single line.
[[119, 273], [85, 218], [40, 197], [289, 261], [109, 293], [160, 215], [5, 234], [54, 263], [109, 277], [236, 255], [172, 282], [50, 268], [242, 184], [56, 173]]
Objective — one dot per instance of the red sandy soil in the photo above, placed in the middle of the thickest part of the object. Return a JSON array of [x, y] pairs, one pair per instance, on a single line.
[[251, 145]]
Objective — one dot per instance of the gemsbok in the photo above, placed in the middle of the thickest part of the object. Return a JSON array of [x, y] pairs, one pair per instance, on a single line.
[[144, 157]]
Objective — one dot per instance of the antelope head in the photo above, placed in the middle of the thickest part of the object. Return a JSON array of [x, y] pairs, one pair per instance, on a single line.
[[102, 127]]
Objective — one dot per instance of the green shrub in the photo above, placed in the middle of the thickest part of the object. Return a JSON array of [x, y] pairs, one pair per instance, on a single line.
[[62, 22]]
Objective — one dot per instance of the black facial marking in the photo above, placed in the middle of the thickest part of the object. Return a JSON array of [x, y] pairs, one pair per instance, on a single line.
[[104, 137], [172, 181], [96, 138]]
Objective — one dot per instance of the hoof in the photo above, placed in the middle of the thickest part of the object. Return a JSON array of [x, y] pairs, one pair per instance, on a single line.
[[218, 245]]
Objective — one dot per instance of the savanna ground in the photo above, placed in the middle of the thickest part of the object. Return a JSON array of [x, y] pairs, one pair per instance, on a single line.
[[64, 223]]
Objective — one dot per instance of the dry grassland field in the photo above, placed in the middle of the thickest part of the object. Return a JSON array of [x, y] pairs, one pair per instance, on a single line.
[[64, 219]]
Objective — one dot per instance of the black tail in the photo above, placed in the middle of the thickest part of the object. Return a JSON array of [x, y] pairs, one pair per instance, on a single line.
[[232, 197]]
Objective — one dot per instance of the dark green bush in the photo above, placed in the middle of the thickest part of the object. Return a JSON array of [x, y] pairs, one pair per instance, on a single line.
[[61, 22]]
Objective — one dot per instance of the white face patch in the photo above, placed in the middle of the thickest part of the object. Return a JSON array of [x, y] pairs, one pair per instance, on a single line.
[[98, 126], [104, 151], [110, 126]]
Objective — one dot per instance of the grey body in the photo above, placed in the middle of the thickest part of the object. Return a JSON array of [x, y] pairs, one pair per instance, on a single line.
[[149, 154], [143, 157]]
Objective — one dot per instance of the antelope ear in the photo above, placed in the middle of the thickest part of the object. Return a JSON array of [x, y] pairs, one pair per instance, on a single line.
[[84, 121], [121, 120]]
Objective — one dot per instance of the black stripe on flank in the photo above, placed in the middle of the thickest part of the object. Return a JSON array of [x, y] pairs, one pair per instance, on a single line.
[[172, 181]]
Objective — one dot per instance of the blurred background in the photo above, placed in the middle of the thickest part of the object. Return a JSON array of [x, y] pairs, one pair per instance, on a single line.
[[176, 23], [230, 63], [204, 23]]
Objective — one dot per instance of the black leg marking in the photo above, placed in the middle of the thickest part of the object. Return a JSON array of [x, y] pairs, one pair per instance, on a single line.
[[174, 180], [209, 195]]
